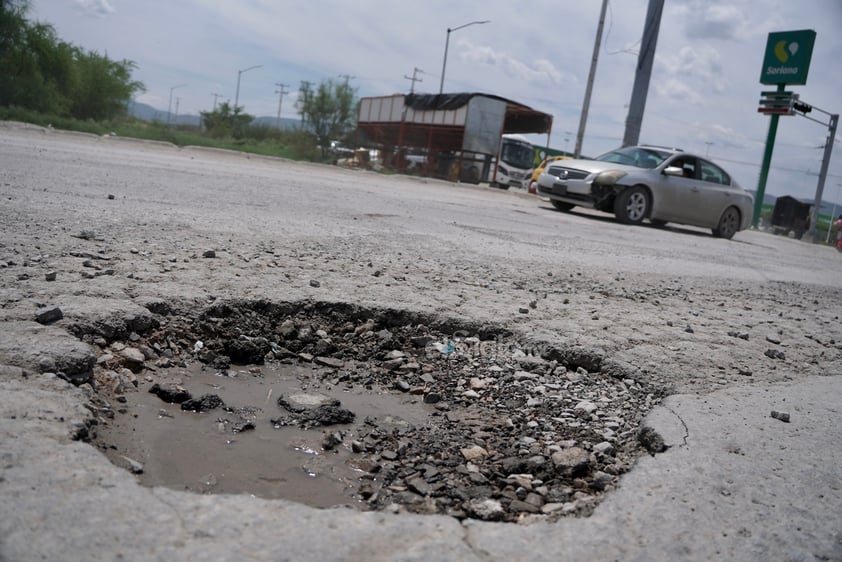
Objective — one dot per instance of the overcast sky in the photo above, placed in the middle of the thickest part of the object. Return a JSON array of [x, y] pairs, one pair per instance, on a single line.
[[703, 94]]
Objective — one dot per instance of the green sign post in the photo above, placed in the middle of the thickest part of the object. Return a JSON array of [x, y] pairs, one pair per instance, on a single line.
[[787, 61]]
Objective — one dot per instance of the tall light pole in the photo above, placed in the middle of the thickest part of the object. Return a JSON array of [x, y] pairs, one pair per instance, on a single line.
[[169, 107], [239, 74], [447, 43]]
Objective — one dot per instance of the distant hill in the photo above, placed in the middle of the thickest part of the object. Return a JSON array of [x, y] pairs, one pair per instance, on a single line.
[[146, 112]]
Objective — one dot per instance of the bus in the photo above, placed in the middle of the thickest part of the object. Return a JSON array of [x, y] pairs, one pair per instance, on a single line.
[[512, 167]]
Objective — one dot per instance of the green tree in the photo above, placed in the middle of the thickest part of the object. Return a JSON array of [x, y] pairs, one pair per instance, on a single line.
[[327, 111], [38, 71], [225, 121]]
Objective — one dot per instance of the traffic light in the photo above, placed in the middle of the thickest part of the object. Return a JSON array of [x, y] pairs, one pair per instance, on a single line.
[[777, 103], [802, 107]]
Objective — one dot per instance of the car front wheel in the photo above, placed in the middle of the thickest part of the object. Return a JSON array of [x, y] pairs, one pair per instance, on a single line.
[[729, 224], [632, 205]]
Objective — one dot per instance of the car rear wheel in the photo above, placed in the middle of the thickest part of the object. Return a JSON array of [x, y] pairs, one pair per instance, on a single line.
[[632, 205], [562, 206], [729, 224]]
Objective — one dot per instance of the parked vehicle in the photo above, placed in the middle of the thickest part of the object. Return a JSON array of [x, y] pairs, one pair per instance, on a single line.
[[648, 182], [533, 183], [512, 167]]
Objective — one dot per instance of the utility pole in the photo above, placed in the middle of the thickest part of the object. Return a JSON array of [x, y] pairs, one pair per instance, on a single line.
[[643, 72], [177, 101], [832, 123], [215, 97], [415, 71], [577, 152], [281, 93]]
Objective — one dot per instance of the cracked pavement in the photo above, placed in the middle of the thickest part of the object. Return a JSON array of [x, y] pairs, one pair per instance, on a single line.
[[687, 311]]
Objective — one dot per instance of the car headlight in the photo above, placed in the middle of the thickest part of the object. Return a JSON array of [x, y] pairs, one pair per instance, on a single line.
[[609, 177]]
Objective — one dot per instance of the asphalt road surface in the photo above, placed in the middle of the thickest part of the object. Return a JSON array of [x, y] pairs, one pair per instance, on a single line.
[[734, 329]]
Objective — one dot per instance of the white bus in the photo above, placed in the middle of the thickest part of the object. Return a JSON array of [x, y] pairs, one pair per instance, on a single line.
[[512, 166]]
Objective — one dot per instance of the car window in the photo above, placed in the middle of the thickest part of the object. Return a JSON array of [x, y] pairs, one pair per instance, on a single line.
[[714, 174], [635, 156], [688, 165]]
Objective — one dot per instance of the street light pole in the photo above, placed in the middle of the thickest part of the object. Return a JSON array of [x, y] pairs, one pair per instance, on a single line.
[[239, 74], [169, 107], [447, 43]]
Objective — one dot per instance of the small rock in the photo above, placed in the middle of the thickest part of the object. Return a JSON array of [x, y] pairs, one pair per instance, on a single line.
[[331, 440], [487, 509], [651, 440], [572, 461], [522, 506], [782, 416], [49, 315], [604, 448], [209, 254], [586, 407], [418, 485], [202, 404], [314, 283], [523, 310], [111, 196], [171, 395], [432, 398], [773, 339], [50, 276], [473, 453], [134, 466], [329, 362], [775, 354], [601, 480]]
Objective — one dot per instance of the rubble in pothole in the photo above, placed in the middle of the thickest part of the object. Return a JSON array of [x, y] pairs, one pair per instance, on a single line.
[[515, 430]]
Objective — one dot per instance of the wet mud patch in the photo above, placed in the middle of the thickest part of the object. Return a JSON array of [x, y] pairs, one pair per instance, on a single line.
[[330, 404]]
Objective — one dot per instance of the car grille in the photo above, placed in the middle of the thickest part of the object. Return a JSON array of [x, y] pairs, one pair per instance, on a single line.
[[567, 173]]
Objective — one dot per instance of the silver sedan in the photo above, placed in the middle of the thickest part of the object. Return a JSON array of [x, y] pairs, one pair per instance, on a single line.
[[647, 182]]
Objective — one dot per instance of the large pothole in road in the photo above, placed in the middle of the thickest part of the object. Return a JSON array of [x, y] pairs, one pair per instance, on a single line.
[[328, 404]]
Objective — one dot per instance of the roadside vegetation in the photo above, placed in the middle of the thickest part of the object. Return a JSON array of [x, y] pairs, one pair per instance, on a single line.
[[52, 83]]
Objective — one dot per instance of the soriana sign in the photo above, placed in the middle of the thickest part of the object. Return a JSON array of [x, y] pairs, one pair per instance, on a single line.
[[787, 57]]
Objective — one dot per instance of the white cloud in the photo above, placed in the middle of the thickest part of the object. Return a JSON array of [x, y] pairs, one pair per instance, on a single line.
[[96, 8], [704, 19], [691, 74], [539, 71]]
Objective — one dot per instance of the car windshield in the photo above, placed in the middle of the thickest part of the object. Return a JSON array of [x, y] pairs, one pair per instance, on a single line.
[[635, 156]]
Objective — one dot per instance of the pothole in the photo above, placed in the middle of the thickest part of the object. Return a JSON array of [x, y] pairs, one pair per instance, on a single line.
[[330, 404]]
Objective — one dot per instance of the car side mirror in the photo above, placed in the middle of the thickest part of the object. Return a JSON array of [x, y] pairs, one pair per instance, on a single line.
[[673, 171]]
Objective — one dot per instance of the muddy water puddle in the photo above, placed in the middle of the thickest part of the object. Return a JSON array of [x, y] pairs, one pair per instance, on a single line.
[[245, 446]]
